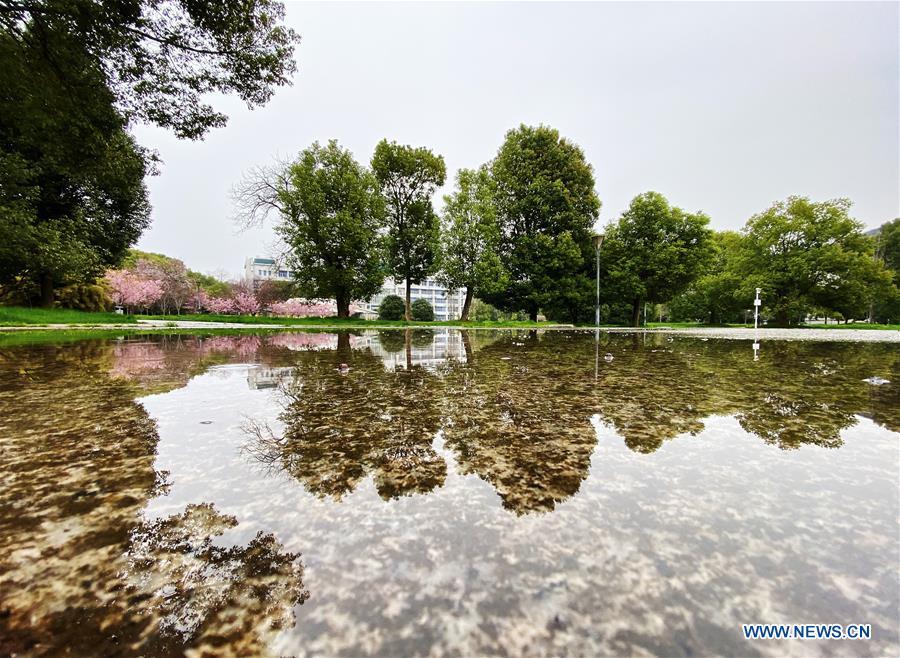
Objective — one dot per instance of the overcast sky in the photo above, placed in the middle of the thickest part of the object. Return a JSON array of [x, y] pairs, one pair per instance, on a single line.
[[724, 108]]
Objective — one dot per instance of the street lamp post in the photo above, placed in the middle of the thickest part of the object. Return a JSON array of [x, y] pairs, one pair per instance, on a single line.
[[756, 304], [598, 241]]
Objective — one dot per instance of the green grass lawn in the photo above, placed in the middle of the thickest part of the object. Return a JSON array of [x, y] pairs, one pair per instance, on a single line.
[[18, 316], [341, 322]]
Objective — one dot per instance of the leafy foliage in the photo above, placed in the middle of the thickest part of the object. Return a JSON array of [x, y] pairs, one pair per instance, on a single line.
[[887, 250], [422, 311], [408, 177], [330, 215], [84, 297], [391, 308], [471, 238], [75, 74], [806, 255], [717, 296], [654, 251], [546, 207], [159, 59]]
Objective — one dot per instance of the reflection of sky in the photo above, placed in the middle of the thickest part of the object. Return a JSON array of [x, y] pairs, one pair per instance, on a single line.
[[664, 553]]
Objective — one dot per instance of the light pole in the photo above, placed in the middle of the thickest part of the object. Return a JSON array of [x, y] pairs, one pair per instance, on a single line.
[[756, 304], [598, 241]]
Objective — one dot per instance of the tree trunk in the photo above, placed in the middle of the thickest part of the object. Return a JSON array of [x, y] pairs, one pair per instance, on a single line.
[[407, 341], [636, 312], [343, 305], [781, 318], [344, 352], [467, 344], [46, 290], [407, 300], [467, 305], [532, 312]]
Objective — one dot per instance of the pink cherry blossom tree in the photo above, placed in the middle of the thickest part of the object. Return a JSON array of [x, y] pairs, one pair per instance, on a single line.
[[219, 305], [304, 308], [133, 291], [245, 304]]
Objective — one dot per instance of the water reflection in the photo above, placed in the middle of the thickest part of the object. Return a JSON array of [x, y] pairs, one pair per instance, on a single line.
[[341, 427], [483, 492], [81, 570], [516, 411]]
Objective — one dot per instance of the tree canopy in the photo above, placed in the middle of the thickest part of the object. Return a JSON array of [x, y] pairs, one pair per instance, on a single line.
[[806, 255], [471, 238], [159, 59], [75, 75], [655, 251], [330, 215], [546, 208], [408, 177]]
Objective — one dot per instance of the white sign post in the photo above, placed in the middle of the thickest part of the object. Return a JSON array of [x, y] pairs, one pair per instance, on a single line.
[[756, 304]]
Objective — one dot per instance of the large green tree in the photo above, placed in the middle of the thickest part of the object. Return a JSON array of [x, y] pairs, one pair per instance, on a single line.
[[546, 209], [808, 255], [471, 238], [408, 177], [655, 251], [74, 75], [717, 296], [159, 59], [330, 215]]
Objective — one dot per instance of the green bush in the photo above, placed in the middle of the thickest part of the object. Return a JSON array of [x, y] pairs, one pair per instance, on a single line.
[[391, 308], [422, 311], [84, 297]]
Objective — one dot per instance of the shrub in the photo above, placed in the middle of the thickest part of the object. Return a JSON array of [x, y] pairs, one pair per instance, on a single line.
[[391, 308], [422, 310], [84, 297]]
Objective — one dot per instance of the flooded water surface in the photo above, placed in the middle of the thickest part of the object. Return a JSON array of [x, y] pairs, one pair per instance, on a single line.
[[446, 493]]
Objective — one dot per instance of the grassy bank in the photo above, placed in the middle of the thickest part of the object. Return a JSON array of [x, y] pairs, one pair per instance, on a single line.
[[20, 316], [340, 322]]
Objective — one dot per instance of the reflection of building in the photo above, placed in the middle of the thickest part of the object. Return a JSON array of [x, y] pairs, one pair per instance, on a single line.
[[261, 377], [257, 270], [447, 305], [425, 352]]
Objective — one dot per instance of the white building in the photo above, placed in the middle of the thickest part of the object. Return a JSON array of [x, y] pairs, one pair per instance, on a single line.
[[445, 344], [447, 305], [257, 270]]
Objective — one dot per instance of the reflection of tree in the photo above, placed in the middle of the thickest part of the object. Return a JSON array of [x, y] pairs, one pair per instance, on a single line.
[[79, 571], [196, 594], [339, 427], [521, 420], [650, 393], [806, 393], [797, 393]]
